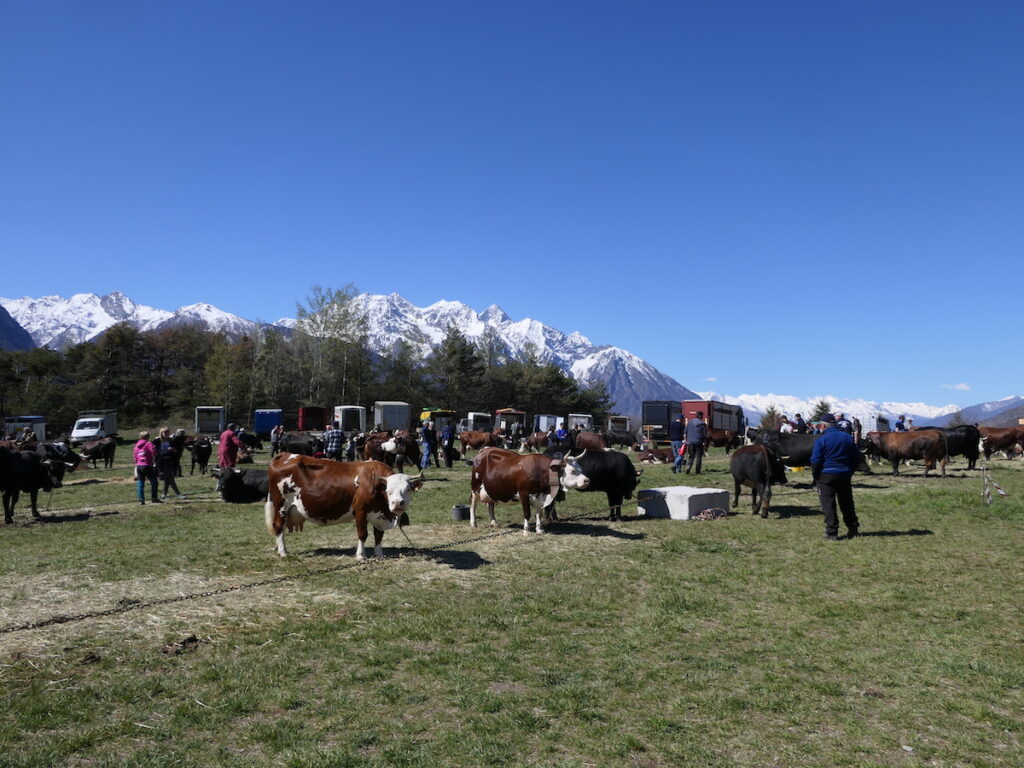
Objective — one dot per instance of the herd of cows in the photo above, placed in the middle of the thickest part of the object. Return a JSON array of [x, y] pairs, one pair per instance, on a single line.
[[298, 485]]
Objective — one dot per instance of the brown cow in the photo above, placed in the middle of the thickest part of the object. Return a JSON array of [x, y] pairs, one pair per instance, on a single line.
[[927, 444], [500, 476], [723, 438], [329, 492], [656, 456], [393, 451], [477, 440], [1006, 439], [536, 441], [593, 441]]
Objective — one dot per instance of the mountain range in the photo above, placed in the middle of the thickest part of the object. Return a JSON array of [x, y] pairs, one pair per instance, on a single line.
[[58, 322]]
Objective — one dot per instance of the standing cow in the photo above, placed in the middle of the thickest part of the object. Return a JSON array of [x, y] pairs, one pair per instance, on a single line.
[[608, 471], [24, 471], [105, 448], [927, 444], [201, 448], [330, 492], [757, 468]]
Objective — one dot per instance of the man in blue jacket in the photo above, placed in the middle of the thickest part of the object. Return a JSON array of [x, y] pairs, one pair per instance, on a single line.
[[833, 461]]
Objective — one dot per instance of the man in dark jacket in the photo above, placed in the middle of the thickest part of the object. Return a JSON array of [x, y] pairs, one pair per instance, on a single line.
[[696, 438], [448, 443], [677, 434], [833, 460]]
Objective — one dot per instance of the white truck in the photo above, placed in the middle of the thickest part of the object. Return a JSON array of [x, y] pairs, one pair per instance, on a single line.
[[92, 425]]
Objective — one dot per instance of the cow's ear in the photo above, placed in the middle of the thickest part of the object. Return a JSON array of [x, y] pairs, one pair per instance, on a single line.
[[417, 482], [381, 485]]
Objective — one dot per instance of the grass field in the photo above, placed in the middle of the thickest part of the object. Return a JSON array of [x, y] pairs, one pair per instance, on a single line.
[[736, 642]]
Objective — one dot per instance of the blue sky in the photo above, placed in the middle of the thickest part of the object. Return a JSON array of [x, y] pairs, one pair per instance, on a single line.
[[799, 198]]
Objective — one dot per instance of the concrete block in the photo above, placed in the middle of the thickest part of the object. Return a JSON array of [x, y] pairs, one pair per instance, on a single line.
[[680, 502]]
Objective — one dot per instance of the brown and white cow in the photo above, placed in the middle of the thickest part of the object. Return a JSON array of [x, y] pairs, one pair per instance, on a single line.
[[394, 450], [329, 492], [536, 441], [656, 456], [927, 444], [500, 477], [477, 440], [1006, 439]]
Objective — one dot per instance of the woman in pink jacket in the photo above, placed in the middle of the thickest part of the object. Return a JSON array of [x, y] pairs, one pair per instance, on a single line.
[[145, 467]]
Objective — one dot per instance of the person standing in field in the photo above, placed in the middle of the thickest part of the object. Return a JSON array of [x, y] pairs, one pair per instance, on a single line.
[[166, 461], [227, 449], [334, 441], [275, 439], [696, 439], [833, 461], [447, 443], [145, 467], [677, 436]]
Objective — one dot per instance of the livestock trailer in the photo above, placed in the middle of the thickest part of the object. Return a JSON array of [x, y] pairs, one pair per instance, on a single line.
[[877, 423], [542, 422], [718, 415], [505, 419], [312, 418], [265, 419], [584, 420], [210, 419], [618, 423], [391, 415], [440, 416], [476, 421], [656, 415], [15, 424], [350, 418]]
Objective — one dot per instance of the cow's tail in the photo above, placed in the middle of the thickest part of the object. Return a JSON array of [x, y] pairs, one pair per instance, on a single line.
[[271, 515]]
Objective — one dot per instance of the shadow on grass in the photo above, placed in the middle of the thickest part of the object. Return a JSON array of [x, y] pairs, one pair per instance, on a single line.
[[90, 481], [459, 560], [911, 532], [78, 517], [791, 510], [581, 528]]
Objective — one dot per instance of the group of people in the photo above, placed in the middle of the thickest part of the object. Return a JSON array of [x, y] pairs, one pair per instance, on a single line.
[[688, 437], [431, 442], [798, 426], [157, 460]]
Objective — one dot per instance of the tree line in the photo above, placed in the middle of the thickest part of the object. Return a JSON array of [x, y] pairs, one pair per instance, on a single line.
[[157, 377]]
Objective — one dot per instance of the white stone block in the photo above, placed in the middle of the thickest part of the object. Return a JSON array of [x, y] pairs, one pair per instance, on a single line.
[[680, 502]]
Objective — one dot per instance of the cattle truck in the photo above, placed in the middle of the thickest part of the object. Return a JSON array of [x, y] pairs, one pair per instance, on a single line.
[[505, 419], [878, 423], [350, 418], [13, 425], [210, 419], [618, 423], [312, 418], [389, 415], [656, 415], [718, 415], [93, 425], [542, 422], [265, 419], [476, 421], [583, 420]]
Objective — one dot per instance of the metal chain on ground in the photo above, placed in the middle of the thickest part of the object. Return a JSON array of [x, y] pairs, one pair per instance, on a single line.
[[413, 552]]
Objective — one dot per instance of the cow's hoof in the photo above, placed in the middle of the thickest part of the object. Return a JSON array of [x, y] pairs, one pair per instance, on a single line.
[[764, 515], [8, 521]]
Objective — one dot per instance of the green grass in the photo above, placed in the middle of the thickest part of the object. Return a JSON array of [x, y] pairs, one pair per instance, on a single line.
[[741, 641]]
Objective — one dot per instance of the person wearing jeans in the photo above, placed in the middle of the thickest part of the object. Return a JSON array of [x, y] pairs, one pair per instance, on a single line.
[[145, 467]]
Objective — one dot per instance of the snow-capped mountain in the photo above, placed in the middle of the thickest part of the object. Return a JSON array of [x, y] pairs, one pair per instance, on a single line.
[[12, 335], [57, 322], [754, 406]]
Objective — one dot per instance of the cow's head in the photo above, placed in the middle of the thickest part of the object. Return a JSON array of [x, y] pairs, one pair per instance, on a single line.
[[53, 474], [397, 489], [390, 445], [572, 474]]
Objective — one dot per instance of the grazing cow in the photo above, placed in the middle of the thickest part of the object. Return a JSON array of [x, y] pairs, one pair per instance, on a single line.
[[927, 444], [23, 471], [605, 470], [476, 439], [656, 456], [104, 448], [328, 492], [305, 443], [1006, 439], [723, 438], [201, 448], [241, 486], [500, 476], [589, 441], [757, 468]]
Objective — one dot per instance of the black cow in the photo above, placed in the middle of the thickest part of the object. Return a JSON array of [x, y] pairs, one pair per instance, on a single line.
[[57, 457], [104, 448], [201, 448], [241, 486], [794, 450], [621, 437], [305, 443], [24, 471], [251, 442], [963, 440], [608, 471], [757, 468]]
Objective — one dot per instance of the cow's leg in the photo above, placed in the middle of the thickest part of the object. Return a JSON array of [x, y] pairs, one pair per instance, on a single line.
[[33, 496], [361, 534], [895, 467], [766, 497], [736, 493], [527, 510], [275, 524], [8, 507], [490, 511], [472, 509], [753, 501], [378, 537]]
